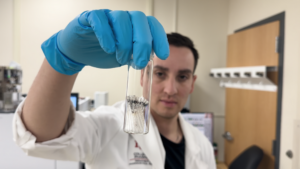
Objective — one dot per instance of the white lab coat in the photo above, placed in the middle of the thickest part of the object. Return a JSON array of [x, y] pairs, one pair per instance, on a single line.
[[97, 139]]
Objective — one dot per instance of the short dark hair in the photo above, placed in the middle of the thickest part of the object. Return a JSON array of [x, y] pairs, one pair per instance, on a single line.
[[179, 40]]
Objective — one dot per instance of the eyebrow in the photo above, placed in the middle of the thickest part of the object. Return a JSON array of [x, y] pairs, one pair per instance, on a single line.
[[167, 69], [161, 68], [187, 71]]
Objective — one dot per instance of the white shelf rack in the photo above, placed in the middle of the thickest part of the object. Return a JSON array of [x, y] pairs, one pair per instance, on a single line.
[[252, 78]]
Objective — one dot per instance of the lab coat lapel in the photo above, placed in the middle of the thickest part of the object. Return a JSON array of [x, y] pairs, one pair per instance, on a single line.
[[192, 149], [152, 146]]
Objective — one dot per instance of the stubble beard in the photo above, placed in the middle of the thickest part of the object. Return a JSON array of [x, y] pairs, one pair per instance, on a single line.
[[162, 115]]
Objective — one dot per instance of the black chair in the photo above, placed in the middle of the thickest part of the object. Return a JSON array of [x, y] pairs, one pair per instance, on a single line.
[[249, 159]]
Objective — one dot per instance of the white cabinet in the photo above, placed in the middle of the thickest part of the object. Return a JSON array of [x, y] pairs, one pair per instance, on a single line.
[[12, 156]]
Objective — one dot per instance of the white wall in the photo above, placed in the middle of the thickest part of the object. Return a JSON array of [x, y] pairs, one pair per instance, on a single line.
[[166, 12], [6, 32], [243, 13], [205, 22], [41, 19]]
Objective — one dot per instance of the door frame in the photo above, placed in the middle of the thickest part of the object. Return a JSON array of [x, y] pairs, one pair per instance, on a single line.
[[281, 18]]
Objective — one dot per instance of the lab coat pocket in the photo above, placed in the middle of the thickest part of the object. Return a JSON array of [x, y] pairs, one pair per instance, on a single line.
[[137, 159]]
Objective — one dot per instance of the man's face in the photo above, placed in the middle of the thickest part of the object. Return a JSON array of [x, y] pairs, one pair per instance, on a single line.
[[172, 82]]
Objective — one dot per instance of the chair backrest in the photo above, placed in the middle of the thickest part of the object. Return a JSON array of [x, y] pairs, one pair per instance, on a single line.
[[249, 159]]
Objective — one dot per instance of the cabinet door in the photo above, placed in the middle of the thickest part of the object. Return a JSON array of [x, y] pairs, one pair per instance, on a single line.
[[12, 156], [254, 47], [251, 120]]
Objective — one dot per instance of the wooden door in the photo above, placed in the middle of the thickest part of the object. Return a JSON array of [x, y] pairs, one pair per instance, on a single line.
[[250, 114], [253, 47]]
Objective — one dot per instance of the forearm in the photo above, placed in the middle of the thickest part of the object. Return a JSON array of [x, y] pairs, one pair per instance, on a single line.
[[47, 105]]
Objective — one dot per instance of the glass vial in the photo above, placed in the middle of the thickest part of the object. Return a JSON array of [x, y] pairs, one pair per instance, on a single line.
[[138, 97]]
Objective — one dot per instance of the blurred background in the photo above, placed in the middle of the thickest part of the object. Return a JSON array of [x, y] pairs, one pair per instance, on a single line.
[[26, 24]]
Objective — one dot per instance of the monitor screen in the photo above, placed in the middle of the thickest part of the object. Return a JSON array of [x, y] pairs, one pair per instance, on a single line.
[[74, 99], [202, 121]]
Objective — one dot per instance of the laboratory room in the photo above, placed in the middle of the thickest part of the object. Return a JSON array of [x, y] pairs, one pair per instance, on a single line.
[[149, 84]]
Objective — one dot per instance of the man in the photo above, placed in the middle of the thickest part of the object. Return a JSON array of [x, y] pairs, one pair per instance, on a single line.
[[107, 39]]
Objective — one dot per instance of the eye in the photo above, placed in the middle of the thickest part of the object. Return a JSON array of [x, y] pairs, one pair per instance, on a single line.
[[183, 77], [160, 74]]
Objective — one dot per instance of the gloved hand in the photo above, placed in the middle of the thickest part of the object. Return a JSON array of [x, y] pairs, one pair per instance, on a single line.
[[106, 39]]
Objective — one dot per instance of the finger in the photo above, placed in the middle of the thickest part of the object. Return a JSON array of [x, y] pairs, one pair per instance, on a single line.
[[142, 39], [97, 19], [83, 19], [122, 29], [160, 41]]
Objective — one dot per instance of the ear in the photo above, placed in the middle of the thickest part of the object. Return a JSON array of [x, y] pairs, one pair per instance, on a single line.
[[193, 83], [142, 77]]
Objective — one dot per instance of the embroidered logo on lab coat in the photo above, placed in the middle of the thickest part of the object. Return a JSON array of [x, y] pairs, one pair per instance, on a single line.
[[137, 156]]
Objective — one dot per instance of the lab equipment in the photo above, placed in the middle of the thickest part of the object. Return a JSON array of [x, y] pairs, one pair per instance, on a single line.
[[84, 104], [106, 39], [202, 121], [138, 96], [75, 100], [100, 99], [10, 89], [80, 103]]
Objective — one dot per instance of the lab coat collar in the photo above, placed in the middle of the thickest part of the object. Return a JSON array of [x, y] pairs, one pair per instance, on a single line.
[[192, 148], [152, 146]]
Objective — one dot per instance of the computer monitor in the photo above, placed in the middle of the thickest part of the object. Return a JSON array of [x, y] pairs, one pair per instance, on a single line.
[[74, 99], [202, 121]]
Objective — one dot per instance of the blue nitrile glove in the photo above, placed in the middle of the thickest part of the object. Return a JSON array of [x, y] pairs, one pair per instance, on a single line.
[[106, 39]]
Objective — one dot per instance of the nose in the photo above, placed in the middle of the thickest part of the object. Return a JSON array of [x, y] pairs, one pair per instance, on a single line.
[[170, 86]]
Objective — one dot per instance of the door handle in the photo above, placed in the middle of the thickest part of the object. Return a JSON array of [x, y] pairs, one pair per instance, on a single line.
[[227, 136], [289, 153]]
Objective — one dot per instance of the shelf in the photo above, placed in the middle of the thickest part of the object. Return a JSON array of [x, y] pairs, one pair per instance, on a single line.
[[252, 78]]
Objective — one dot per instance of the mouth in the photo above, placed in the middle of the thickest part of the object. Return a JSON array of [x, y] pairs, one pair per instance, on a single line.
[[168, 103]]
